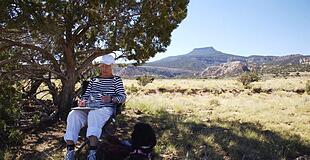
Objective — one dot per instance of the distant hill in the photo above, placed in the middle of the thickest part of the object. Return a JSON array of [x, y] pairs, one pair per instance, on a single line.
[[210, 62], [226, 69], [161, 72], [197, 60]]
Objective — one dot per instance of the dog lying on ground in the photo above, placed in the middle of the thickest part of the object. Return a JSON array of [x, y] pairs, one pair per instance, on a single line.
[[139, 147]]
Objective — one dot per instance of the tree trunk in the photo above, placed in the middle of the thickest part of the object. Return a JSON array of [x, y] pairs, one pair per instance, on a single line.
[[68, 83], [66, 95]]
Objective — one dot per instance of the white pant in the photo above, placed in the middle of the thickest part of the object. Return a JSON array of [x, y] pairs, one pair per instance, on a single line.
[[95, 120]]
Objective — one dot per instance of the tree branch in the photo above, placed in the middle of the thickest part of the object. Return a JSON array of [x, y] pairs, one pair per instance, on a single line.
[[4, 47], [33, 47], [80, 31], [6, 61], [15, 31], [120, 56], [51, 86], [60, 75]]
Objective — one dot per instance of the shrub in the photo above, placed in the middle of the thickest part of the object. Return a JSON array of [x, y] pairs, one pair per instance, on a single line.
[[35, 119], [248, 77], [132, 89], [9, 114], [308, 87], [257, 90], [214, 103], [144, 80], [9, 111]]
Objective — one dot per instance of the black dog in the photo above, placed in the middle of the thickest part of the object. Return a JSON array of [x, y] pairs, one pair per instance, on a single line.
[[143, 141], [140, 146]]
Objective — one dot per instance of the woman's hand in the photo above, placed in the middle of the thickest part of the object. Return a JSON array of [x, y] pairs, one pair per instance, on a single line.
[[106, 99]]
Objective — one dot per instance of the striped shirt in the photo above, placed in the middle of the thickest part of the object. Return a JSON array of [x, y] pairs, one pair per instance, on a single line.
[[99, 86]]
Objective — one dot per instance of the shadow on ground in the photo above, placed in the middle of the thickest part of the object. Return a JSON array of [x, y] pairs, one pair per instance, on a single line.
[[217, 139], [41, 143], [181, 139]]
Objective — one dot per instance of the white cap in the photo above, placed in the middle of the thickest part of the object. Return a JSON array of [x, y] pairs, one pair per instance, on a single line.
[[106, 59]]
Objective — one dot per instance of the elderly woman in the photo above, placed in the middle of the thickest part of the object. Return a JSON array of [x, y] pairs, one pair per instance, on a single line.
[[109, 91]]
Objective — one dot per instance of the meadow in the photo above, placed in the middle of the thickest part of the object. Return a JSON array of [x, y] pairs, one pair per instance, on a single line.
[[207, 119], [222, 119]]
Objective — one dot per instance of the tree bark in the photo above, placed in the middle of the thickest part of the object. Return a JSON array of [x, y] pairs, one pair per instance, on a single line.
[[68, 84], [66, 95]]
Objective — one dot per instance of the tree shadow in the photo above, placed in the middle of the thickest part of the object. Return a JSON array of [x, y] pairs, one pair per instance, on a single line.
[[41, 143], [179, 138], [215, 139]]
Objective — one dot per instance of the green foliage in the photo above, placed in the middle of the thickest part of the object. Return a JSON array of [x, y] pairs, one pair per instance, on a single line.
[[36, 119], [15, 136], [139, 29], [284, 70], [248, 77], [144, 80], [308, 87], [9, 114], [8, 63], [63, 37], [9, 110], [132, 89]]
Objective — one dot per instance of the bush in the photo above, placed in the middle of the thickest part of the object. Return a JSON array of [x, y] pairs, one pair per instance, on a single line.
[[132, 89], [248, 77], [144, 80], [9, 114], [308, 87], [214, 103]]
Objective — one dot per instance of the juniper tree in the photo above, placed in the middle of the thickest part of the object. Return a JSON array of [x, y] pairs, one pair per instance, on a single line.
[[62, 38]]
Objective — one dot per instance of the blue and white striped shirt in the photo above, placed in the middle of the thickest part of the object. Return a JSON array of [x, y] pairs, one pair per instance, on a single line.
[[99, 86]]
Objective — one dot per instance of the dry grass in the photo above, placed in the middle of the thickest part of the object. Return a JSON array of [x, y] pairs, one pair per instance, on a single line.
[[188, 84], [221, 119], [292, 83], [227, 125]]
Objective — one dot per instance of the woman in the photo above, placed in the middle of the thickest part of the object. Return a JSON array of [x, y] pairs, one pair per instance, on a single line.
[[108, 90]]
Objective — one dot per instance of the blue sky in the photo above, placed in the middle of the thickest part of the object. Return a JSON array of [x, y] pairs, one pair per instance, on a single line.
[[244, 27]]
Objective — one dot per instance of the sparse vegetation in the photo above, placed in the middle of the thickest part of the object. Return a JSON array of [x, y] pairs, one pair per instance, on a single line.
[[220, 119], [282, 70], [144, 80], [132, 89], [248, 77], [308, 87], [9, 113], [256, 124], [250, 125], [214, 103]]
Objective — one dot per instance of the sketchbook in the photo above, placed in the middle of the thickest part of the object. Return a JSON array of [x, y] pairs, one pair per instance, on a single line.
[[83, 108]]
